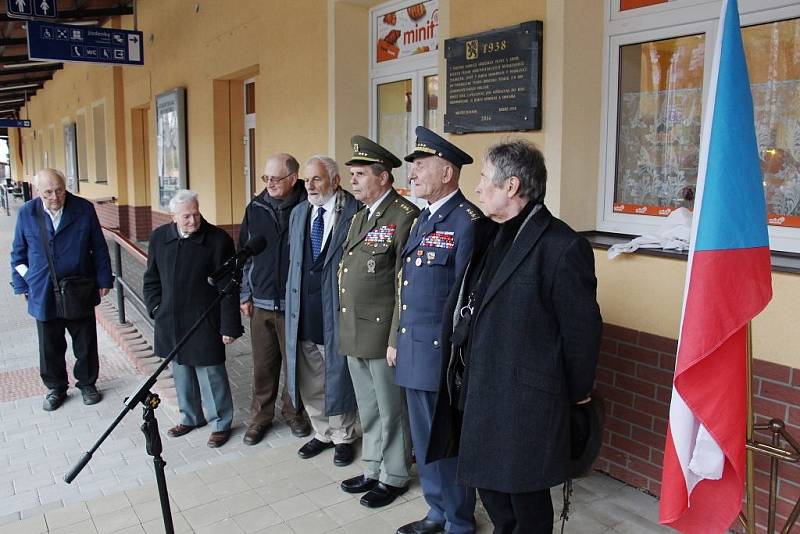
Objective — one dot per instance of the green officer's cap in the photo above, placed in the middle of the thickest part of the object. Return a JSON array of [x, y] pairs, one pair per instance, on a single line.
[[367, 152]]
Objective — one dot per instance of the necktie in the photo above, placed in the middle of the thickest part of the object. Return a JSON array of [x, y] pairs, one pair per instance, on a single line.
[[423, 216], [317, 232]]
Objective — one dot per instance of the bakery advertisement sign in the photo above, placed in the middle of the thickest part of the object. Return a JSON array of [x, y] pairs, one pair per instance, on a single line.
[[407, 31]]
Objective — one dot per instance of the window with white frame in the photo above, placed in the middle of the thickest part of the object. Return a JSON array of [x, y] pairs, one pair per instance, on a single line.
[[658, 56], [404, 78]]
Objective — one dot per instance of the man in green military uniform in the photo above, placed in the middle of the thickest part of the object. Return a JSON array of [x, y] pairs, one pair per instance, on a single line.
[[368, 315]]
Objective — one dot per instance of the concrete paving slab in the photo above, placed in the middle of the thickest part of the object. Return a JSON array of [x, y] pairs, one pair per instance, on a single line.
[[264, 488]]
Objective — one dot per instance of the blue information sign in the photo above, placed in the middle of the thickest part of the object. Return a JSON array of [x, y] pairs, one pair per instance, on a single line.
[[86, 44], [15, 123], [32, 8]]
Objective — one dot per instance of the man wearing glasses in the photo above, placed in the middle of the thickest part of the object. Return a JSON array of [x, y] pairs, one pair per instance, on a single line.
[[263, 294]]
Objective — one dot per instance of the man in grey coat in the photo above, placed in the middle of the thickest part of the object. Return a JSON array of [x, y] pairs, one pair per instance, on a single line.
[[316, 372]]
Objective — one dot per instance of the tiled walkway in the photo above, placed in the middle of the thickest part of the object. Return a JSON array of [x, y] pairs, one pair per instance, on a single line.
[[264, 488]]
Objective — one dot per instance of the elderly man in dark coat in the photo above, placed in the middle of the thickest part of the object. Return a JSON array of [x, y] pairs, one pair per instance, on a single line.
[[523, 328], [316, 372], [73, 235], [181, 256]]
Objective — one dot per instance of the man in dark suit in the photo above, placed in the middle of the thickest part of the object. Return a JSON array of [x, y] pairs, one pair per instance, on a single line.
[[181, 256], [73, 235], [316, 372], [368, 321], [437, 250], [523, 331]]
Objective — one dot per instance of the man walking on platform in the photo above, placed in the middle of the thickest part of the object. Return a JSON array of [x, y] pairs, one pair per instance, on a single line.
[[61, 228]]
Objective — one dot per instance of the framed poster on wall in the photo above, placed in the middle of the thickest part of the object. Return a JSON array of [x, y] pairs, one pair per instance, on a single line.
[[171, 144]]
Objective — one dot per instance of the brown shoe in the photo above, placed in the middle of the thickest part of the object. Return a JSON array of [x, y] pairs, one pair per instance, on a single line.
[[300, 427], [218, 439], [255, 433], [180, 430]]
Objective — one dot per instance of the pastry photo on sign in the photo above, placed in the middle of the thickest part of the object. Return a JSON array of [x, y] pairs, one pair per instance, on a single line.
[[406, 32]]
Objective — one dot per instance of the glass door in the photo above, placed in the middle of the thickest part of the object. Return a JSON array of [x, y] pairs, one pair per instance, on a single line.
[[400, 103]]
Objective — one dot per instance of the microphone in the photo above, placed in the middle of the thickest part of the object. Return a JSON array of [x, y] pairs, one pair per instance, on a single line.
[[254, 246]]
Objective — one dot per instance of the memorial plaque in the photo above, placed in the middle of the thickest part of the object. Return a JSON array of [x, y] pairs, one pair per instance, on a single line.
[[494, 80]]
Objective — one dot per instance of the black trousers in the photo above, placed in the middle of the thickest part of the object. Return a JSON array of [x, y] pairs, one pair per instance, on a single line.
[[519, 513], [53, 348]]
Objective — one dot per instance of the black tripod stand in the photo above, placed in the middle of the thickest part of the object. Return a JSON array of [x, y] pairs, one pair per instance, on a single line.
[[150, 402]]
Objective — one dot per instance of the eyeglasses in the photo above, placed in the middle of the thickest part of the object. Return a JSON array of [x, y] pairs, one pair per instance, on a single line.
[[274, 179]]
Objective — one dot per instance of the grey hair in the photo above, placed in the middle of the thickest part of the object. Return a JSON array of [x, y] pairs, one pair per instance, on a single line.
[[520, 158], [327, 162], [39, 175], [181, 196], [378, 168], [288, 161]]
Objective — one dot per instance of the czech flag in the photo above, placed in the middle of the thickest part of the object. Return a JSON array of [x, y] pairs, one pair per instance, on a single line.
[[728, 282]]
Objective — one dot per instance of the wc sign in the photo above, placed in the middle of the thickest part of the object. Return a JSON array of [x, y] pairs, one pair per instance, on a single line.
[[24, 9]]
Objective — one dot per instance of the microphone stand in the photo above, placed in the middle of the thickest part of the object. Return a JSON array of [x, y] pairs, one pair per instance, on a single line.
[[150, 402]]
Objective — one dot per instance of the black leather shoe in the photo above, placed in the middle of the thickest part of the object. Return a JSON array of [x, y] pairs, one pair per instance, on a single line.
[[343, 455], [90, 395], [423, 526], [358, 484], [255, 433], [53, 399], [313, 448], [382, 495]]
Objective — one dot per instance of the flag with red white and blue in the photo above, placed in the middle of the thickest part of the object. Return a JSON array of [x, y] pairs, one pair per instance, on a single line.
[[728, 283]]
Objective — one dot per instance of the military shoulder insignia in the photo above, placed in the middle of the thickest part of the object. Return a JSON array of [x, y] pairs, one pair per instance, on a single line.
[[473, 213]]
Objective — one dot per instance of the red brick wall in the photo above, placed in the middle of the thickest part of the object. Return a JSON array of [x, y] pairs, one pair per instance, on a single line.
[[160, 218], [108, 213], [635, 376], [140, 223]]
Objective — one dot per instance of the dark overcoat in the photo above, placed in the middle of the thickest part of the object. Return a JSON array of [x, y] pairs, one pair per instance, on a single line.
[[177, 293], [78, 248], [339, 395], [534, 351]]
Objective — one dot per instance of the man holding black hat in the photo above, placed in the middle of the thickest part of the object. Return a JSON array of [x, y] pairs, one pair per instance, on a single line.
[[436, 253], [368, 321], [522, 333]]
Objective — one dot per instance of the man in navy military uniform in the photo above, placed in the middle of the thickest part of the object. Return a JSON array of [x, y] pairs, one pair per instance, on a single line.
[[435, 255]]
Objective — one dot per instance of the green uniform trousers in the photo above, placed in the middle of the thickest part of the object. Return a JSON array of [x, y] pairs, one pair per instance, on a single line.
[[386, 446]]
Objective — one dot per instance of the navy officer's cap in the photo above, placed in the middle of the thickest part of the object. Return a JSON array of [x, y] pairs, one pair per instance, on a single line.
[[431, 144], [366, 152]]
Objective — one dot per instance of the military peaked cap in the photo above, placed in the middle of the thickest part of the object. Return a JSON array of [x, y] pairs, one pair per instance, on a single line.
[[367, 152], [431, 144]]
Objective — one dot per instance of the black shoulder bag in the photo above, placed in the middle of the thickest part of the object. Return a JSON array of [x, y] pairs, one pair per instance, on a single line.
[[75, 294]]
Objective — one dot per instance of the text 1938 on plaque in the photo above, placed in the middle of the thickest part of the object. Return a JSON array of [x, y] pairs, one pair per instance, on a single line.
[[494, 80]]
